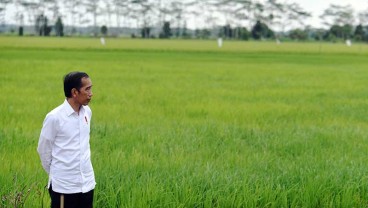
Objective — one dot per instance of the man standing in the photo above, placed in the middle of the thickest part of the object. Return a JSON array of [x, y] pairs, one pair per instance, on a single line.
[[64, 146]]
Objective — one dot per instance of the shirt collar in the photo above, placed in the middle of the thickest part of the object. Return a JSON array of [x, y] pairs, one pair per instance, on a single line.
[[68, 108]]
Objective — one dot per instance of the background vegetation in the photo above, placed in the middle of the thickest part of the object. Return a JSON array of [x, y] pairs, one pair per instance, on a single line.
[[188, 124], [205, 19]]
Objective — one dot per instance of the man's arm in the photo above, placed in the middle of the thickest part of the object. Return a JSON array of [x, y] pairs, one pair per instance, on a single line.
[[47, 137]]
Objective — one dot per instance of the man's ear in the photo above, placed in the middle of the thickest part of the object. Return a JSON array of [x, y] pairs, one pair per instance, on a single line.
[[74, 92]]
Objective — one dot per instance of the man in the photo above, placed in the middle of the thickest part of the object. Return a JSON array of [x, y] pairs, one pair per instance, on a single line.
[[64, 146]]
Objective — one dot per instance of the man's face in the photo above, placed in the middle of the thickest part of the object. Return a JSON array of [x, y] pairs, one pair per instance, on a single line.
[[84, 95]]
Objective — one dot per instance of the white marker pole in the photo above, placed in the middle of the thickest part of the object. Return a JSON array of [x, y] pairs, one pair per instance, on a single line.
[[219, 42], [102, 39], [348, 42]]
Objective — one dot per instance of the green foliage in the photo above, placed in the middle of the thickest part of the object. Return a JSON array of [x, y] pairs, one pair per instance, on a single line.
[[185, 34], [260, 31], [166, 30], [184, 124], [59, 27], [342, 32], [240, 33], [202, 33], [298, 34], [104, 30], [41, 26], [145, 32], [20, 31], [226, 32], [359, 33]]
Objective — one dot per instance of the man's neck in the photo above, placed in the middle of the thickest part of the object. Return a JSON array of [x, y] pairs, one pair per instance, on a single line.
[[75, 105]]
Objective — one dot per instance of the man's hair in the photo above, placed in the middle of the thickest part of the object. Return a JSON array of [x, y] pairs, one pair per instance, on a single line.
[[73, 80]]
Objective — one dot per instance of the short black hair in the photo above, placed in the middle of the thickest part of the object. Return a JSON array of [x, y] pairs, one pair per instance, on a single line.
[[73, 80]]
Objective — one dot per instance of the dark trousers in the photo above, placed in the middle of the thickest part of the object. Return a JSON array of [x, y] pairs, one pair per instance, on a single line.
[[77, 200]]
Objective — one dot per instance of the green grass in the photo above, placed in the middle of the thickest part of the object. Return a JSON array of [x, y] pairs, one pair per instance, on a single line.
[[186, 124]]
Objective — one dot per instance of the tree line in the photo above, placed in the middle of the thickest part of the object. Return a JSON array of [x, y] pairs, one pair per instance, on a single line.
[[230, 19]]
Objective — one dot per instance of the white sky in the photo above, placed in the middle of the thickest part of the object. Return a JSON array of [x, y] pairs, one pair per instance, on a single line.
[[316, 7]]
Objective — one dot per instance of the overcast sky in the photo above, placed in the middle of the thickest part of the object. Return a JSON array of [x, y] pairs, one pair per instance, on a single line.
[[317, 7]]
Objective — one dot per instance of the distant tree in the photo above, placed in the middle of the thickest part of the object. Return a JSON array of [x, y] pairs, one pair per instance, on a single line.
[[48, 30], [41, 26], [336, 31], [53, 7], [318, 34], [73, 7], [38, 24], [347, 31], [241, 11], [359, 32], [166, 30], [177, 10], [296, 14], [202, 33], [227, 32], [32, 11], [92, 6], [121, 8], [298, 34], [261, 30], [338, 15], [20, 18], [275, 12], [242, 33], [145, 32], [142, 10], [59, 27], [107, 10], [104, 30], [185, 33], [341, 32], [44, 29], [239, 33], [20, 31], [257, 30], [329, 37]]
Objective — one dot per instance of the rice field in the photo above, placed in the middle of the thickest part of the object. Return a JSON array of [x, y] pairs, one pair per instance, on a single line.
[[183, 123]]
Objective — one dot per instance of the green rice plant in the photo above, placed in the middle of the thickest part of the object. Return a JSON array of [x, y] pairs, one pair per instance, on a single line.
[[187, 124]]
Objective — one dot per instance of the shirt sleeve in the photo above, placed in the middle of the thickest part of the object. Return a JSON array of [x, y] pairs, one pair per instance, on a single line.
[[47, 138]]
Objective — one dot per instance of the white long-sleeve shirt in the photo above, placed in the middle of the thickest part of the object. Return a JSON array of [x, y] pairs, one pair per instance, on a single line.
[[65, 151]]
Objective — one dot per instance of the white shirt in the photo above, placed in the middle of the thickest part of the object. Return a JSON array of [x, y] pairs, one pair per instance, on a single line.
[[65, 151]]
